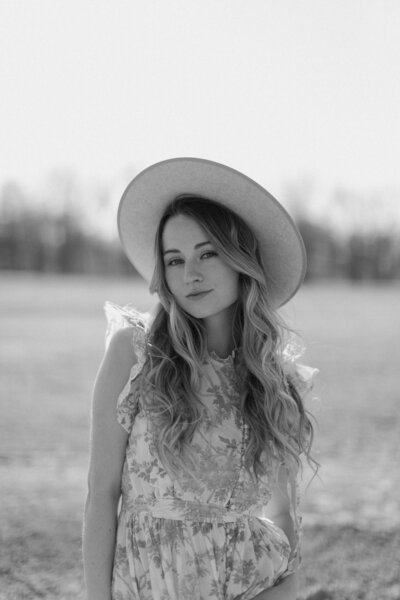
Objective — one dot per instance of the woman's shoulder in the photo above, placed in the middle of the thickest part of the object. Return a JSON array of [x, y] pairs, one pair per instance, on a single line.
[[121, 343], [120, 357]]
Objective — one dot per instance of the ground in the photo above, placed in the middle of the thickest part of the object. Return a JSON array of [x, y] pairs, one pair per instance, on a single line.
[[50, 348]]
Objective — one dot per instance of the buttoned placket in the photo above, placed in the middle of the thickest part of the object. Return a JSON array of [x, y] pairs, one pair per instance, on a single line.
[[244, 428]]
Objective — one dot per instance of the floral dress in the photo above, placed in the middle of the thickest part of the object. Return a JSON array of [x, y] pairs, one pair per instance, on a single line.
[[200, 537]]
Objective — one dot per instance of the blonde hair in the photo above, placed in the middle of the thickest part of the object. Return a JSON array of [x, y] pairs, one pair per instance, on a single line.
[[271, 407]]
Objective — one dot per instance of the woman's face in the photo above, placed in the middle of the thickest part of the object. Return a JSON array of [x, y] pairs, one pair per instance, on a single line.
[[202, 283]]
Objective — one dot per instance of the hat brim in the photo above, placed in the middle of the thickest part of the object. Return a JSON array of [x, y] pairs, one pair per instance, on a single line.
[[152, 190]]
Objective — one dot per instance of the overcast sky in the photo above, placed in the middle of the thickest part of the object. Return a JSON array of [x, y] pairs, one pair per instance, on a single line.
[[284, 90]]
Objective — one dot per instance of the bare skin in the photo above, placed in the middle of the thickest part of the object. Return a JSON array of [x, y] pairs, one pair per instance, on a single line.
[[192, 264], [107, 454]]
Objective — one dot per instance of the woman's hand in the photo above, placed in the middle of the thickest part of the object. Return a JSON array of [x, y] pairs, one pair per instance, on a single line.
[[285, 590]]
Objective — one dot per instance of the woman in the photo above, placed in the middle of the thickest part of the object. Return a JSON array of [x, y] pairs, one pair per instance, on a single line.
[[198, 418]]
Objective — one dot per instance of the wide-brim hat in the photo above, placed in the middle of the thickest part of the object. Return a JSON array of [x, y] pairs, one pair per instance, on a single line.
[[147, 196]]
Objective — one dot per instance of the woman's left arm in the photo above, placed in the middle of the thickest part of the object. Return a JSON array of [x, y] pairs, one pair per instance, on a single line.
[[278, 511], [287, 588]]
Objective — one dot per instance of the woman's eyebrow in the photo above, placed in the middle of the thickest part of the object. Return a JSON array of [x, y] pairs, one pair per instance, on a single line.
[[195, 247]]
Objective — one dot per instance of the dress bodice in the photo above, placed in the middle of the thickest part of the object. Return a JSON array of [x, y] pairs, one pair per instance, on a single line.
[[216, 474]]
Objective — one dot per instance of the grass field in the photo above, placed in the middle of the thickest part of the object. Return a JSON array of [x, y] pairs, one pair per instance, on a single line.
[[52, 340]]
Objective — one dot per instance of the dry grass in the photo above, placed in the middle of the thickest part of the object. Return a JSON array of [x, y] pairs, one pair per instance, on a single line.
[[51, 344]]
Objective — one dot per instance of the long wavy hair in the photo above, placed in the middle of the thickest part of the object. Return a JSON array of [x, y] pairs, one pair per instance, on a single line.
[[280, 429]]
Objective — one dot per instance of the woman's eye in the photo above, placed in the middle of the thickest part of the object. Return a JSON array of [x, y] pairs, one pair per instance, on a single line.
[[174, 261], [178, 261]]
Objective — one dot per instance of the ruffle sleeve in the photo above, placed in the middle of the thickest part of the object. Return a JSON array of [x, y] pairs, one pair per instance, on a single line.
[[300, 376], [122, 317]]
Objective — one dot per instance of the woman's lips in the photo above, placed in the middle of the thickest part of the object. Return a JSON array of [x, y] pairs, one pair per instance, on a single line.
[[198, 295]]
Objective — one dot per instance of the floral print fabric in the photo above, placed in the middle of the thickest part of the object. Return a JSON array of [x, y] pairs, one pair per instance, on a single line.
[[204, 536]]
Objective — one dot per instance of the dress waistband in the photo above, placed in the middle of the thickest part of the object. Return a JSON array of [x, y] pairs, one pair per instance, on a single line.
[[188, 510]]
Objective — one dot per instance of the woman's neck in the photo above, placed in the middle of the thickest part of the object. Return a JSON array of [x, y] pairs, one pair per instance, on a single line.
[[219, 332]]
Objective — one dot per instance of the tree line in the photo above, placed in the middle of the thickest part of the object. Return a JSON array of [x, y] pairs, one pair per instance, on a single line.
[[35, 238]]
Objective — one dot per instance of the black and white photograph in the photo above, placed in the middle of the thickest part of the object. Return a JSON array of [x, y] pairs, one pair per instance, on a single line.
[[199, 300]]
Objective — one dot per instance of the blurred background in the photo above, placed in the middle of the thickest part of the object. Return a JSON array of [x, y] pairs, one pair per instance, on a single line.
[[302, 97]]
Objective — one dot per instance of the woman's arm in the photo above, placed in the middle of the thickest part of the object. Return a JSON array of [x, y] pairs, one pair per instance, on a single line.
[[285, 590], [107, 454], [278, 510]]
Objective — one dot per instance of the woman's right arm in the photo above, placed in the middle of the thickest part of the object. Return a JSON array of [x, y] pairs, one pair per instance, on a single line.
[[107, 454]]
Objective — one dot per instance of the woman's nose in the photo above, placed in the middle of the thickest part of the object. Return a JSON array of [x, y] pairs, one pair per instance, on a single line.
[[192, 272]]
